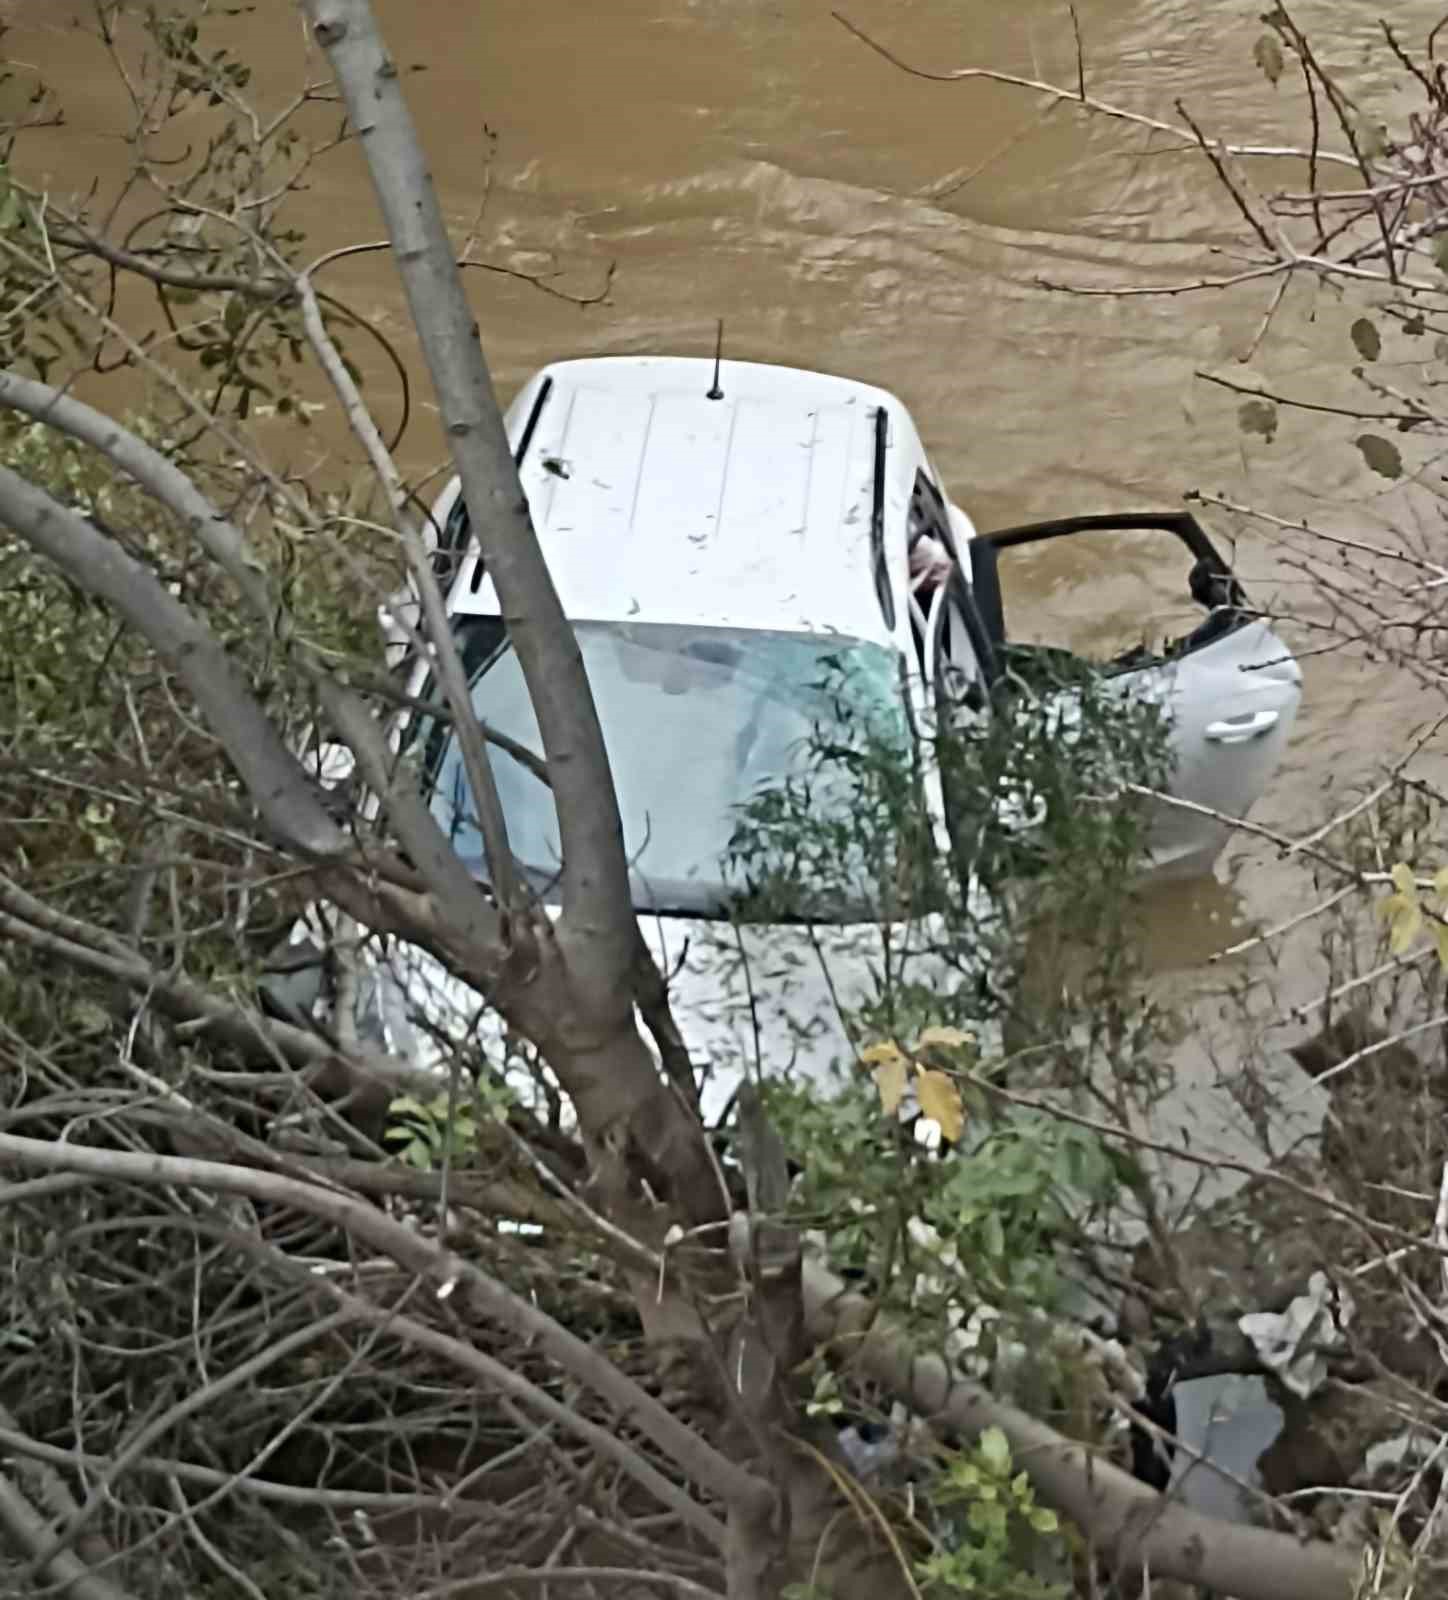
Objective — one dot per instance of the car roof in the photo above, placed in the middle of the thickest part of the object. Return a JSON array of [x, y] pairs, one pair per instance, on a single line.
[[657, 503]]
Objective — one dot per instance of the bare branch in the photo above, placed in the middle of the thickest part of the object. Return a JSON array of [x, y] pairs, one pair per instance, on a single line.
[[502, 871], [1056, 92], [446, 1272], [196, 1399]]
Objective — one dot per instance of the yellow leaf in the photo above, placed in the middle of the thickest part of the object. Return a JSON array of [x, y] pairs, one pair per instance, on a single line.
[[947, 1038], [940, 1100], [890, 1067], [1440, 883], [1405, 921], [890, 1079], [1440, 938], [1402, 910]]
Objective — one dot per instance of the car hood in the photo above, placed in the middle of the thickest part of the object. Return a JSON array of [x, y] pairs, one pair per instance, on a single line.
[[784, 1000]]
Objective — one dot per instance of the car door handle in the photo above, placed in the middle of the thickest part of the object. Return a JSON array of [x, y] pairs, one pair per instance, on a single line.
[[1237, 730]]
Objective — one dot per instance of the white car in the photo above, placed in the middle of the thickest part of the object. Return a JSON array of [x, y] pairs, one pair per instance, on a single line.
[[719, 536]]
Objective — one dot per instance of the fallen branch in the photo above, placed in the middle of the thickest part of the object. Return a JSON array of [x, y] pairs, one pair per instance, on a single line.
[[692, 1455], [1131, 1525], [29, 1534]]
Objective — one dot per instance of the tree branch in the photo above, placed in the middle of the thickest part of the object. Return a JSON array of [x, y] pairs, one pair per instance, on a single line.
[[275, 779], [217, 535], [92, 949], [610, 1074], [595, 867]]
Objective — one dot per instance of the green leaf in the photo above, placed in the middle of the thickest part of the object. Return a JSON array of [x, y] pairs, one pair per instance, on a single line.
[[994, 1235], [1366, 340], [1381, 455], [995, 1450], [1440, 251], [1267, 53], [1258, 416], [1043, 1519]]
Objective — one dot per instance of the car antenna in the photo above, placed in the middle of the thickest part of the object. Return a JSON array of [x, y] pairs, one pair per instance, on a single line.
[[716, 393]]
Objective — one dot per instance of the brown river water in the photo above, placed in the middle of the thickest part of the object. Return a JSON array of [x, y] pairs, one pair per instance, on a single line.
[[750, 160]]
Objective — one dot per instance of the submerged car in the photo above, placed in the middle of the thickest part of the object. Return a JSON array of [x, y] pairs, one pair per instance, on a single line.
[[723, 538]]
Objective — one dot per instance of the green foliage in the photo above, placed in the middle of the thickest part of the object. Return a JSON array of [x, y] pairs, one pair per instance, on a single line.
[[430, 1132], [1040, 818], [994, 1533], [977, 1223]]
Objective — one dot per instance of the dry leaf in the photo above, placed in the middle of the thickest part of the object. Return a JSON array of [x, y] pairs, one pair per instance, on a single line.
[[940, 1100], [947, 1038], [890, 1068], [1382, 455], [1267, 53], [1366, 339]]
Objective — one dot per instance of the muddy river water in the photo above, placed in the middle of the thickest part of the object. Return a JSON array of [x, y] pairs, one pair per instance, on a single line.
[[751, 160]]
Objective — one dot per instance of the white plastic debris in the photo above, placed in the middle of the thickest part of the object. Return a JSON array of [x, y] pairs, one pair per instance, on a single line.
[[868, 1456], [1407, 1449], [1294, 1343]]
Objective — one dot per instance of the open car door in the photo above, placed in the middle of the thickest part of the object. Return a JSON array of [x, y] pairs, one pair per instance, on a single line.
[[1228, 684]]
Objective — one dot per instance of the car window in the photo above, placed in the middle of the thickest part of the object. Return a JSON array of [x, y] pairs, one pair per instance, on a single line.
[[697, 722], [928, 515], [1106, 595]]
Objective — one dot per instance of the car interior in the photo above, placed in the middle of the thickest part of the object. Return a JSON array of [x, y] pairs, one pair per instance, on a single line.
[[1210, 584]]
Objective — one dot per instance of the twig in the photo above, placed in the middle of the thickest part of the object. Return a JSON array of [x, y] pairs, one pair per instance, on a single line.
[[1080, 56], [1271, 269], [516, 1577], [1372, 1050], [1278, 291], [1282, 21], [1440, 1227], [193, 1401], [1055, 92], [291, 1494], [1285, 927], [1308, 405], [1216, 155]]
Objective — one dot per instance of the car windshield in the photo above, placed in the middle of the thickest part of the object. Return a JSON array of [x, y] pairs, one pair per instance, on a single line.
[[697, 722]]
